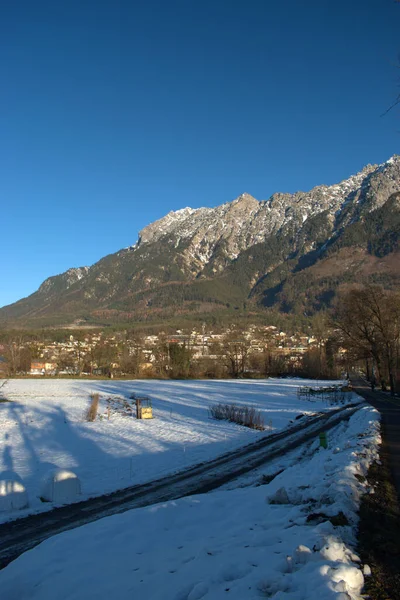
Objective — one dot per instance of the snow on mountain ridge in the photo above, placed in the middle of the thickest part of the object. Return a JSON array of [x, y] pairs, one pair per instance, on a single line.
[[245, 221], [167, 224], [205, 236]]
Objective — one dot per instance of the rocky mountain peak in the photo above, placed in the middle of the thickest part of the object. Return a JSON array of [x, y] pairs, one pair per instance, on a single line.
[[165, 225], [246, 199], [243, 203]]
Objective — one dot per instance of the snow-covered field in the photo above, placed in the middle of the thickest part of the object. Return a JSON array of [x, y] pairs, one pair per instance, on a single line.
[[43, 428], [235, 544]]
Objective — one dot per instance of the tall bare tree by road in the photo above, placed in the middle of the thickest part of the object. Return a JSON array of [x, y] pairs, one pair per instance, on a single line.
[[369, 321]]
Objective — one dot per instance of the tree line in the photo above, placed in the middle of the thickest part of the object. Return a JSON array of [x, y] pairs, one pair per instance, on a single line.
[[361, 331]]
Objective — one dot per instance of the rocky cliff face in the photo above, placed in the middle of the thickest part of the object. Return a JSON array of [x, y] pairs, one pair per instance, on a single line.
[[208, 255], [246, 221], [63, 281]]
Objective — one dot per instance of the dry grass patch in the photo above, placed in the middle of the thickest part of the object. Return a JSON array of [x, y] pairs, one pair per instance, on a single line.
[[242, 415], [91, 413]]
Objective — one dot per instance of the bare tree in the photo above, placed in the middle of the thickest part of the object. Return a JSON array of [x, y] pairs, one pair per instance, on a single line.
[[369, 321], [263, 361], [161, 355], [104, 355], [236, 348], [66, 362], [131, 354], [14, 354]]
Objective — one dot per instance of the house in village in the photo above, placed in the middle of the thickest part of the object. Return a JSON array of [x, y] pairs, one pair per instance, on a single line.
[[42, 367]]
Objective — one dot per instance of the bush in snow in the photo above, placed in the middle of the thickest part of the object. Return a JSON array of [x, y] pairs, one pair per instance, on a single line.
[[60, 486], [93, 408], [13, 495], [243, 415]]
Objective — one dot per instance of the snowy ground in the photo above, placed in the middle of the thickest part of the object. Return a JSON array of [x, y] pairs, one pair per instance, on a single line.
[[234, 544], [43, 428]]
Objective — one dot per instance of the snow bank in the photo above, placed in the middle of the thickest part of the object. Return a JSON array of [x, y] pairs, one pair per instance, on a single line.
[[13, 495], [60, 486], [227, 544]]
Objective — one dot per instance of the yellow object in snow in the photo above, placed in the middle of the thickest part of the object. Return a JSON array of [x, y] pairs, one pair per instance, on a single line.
[[144, 408], [146, 412]]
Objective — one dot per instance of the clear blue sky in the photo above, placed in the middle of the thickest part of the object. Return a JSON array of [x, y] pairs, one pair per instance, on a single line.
[[113, 113]]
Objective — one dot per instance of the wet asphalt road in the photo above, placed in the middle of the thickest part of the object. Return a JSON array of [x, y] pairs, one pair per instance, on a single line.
[[389, 407]]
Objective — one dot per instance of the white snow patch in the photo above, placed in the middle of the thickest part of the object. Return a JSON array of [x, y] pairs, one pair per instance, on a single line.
[[13, 495], [60, 486]]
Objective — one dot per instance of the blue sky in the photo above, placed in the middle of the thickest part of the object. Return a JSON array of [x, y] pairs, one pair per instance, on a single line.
[[113, 113]]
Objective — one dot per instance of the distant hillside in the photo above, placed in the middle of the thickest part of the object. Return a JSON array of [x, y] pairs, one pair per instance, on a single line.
[[291, 252]]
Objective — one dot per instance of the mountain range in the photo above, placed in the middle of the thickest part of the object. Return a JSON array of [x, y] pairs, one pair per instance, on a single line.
[[291, 253]]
